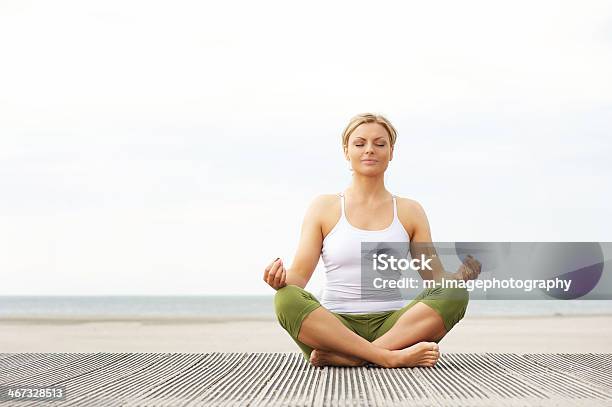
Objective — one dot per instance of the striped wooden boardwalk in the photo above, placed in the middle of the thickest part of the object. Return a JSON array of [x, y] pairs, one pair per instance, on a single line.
[[285, 379]]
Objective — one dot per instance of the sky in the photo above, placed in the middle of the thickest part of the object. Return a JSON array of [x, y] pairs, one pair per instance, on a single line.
[[173, 148]]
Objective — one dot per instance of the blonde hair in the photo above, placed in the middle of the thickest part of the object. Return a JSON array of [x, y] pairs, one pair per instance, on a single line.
[[362, 118]]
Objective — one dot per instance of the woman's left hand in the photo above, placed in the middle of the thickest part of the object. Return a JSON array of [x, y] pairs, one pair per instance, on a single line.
[[469, 270]]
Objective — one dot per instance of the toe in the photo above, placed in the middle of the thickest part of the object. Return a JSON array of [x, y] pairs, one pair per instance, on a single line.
[[314, 357]]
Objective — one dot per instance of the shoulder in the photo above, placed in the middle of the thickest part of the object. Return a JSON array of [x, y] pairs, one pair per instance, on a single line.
[[321, 205], [410, 206], [411, 214], [324, 201], [324, 211]]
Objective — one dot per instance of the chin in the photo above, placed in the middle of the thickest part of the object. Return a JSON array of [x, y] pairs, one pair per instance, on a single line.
[[370, 172]]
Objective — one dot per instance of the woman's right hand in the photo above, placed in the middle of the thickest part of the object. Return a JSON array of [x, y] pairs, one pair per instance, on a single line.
[[275, 274]]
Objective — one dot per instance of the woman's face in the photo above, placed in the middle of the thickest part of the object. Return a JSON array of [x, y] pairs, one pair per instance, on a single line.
[[369, 150]]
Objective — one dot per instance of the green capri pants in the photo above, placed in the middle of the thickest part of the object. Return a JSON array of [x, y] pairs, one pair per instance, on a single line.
[[293, 304]]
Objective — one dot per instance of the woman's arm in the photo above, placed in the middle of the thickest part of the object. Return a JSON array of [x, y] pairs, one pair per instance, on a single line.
[[421, 244], [310, 244]]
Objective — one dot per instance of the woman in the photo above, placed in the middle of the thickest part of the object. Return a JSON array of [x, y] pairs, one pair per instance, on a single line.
[[342, 329]]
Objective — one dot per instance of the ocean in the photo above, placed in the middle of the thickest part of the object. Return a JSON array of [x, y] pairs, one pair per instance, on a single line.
[[244, 307]]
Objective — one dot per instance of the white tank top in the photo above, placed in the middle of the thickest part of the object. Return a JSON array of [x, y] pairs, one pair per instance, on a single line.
[[341, 254]]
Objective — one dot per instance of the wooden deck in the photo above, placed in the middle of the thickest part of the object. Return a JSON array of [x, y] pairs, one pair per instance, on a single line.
[[285, 379]]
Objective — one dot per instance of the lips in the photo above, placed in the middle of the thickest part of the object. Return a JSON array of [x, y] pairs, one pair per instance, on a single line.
[[369, 161]]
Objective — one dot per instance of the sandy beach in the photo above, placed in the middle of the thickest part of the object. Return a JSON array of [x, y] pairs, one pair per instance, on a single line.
[[572, 334]]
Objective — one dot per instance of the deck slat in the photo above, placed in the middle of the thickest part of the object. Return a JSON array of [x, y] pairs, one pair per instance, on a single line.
[[286, 379]]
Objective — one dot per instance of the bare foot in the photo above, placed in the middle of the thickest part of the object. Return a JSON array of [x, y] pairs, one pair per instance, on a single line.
[[424, 354], [322, 358]]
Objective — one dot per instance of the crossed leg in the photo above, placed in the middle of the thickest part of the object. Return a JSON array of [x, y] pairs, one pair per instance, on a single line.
[[410, 342]]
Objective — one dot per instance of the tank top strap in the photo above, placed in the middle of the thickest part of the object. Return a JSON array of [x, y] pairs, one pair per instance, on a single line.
[[342, 215], [395, 208]]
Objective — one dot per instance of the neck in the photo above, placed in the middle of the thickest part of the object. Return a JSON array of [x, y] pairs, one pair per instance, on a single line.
[[368, 189]]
